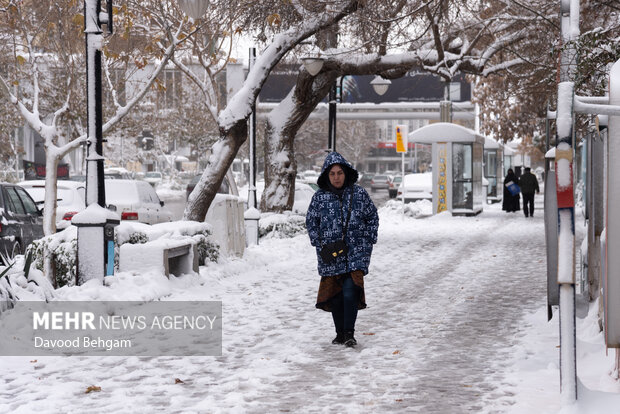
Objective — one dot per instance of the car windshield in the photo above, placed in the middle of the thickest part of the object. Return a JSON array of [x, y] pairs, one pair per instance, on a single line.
[[380, 177], [397, 179], [120, 192], [152, 175], [65, 195]]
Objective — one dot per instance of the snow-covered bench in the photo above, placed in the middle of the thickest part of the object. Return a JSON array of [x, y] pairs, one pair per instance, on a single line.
[[169, 256]]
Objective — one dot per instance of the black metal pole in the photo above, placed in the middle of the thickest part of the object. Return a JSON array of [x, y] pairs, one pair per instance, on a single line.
[[252, 202], [331, 139], [95, 189], [99, 127]]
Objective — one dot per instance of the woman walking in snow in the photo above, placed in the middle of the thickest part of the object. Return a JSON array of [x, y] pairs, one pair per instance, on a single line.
[[510, 203], [342, 223]]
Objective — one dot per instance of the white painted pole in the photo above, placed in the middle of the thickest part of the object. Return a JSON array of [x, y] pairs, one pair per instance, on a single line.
[[252, 215], [403, 180], [569, 17]]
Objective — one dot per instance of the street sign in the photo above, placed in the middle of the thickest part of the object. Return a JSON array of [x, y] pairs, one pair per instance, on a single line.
[[401, 138]]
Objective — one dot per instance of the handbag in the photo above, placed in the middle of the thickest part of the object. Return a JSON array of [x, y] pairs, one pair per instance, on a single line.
[[331, 251], [513, 188]]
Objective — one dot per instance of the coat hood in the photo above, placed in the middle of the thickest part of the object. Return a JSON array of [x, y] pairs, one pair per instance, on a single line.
[[335, 158]]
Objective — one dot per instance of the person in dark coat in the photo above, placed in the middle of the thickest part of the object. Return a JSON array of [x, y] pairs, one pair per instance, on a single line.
[[529, 184], [340, 208], [510, 203]]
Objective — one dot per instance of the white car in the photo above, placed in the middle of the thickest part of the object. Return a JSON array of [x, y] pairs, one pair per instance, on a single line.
[[310, 176], [416, 187], [71, 198], [303, 195], [153, 177], [136, 200]]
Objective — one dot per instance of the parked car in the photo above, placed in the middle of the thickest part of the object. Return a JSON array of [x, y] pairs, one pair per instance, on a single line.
[[71, 198], [393, 186], [21, 221], [153, 177], [136, 200], [224, 188], [416, 187], [379, 182], [310, 176], [117, 173], [365, 179], [303, 195]]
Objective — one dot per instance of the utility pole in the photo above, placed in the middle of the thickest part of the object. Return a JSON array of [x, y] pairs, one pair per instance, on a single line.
[[569, 16]]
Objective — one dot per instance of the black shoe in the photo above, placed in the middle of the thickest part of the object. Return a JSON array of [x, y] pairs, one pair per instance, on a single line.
[[349, 340], [339, 339]]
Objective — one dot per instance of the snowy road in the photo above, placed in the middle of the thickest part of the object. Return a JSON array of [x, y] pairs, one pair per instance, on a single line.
[[446, 298]]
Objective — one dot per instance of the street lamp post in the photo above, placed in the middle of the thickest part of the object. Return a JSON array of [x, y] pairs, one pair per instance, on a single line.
[[92, 256], [313, 64], [336, 95], [93, 19], [331, 133], [252, 214]]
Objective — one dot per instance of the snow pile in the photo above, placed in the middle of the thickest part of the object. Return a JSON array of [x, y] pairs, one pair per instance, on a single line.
[[283, 225], [533, 381], [16, 285], [418, 209], [171, 190], [170, 230], [63, 245]]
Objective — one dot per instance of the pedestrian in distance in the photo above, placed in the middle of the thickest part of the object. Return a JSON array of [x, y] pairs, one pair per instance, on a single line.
[[529, 185], [510, 203], [342, 223]]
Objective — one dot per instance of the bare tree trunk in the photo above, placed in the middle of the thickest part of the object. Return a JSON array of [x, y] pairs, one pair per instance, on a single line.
[[220, 160], [51, 187], [280, 164]]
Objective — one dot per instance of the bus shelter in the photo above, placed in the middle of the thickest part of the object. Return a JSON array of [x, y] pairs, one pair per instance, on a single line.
[[457, 154], [493, 169], [509, 163]]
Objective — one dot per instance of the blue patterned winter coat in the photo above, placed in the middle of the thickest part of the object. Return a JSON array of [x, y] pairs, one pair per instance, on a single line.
[[327, 214]]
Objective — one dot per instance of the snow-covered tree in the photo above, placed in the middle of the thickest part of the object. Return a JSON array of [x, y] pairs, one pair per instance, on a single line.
[[514, 105], [282, 25], [389, 39], [45, 42]]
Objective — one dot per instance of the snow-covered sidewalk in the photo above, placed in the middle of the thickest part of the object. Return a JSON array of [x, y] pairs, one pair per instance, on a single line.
[[456, 323]]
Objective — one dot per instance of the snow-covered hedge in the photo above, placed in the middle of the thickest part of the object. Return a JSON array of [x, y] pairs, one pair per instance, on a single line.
[[282, 225], [63, 245], [18, 284]]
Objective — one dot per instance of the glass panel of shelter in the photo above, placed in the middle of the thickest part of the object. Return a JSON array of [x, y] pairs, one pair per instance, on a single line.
[[462, 187], [490, 171]]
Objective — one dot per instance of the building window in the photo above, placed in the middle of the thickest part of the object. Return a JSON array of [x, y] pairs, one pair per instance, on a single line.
[[169, 89]]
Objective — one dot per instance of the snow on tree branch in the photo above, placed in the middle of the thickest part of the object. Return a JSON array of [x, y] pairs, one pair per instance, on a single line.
[[240, 105]]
